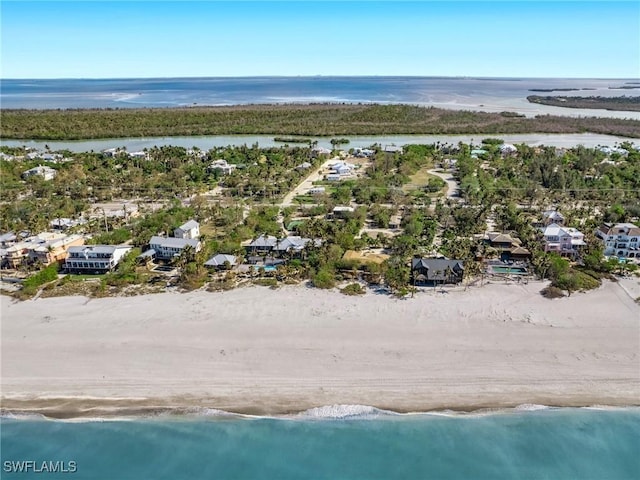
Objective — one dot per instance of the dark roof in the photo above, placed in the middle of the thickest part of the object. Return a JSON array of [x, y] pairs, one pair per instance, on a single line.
[[436, 268]]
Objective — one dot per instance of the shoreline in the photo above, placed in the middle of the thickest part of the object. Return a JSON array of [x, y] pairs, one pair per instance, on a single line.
[[294, 349], [322, 412]]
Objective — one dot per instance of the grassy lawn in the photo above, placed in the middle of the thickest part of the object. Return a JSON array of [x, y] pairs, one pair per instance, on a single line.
[[419, 180]]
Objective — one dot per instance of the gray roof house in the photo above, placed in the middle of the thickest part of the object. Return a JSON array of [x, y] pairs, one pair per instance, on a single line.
[[167, 248], [552, 216], [45, 172], [264, 243], [94, 258], [219, 261], [190, 229], [436, 270]]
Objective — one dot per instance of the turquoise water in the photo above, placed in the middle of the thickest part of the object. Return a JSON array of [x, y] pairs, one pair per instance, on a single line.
[[512, 270], [545, 444]]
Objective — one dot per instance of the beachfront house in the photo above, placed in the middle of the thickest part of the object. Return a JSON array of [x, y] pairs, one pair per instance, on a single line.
[[190, 229], [45, 248], [262, 245], [95, 259], [508, 246], [168, 248], [565, 241], [433, 271], [290, 246], [222, 261], [53, 250], [620, 240], [294, 246], [45, 172]]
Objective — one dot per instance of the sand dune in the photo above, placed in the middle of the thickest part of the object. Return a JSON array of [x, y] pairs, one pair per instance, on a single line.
[[263, 351]]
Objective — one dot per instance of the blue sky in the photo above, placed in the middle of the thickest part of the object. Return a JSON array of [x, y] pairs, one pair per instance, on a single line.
[[91, 39]]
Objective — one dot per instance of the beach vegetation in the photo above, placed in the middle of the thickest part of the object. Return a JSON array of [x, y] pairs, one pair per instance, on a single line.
[[291, 120], [353, 289], [324, 278], [46, 275]]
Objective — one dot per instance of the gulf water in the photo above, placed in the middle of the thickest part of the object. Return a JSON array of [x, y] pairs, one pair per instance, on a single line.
[[599, 444], [175, 92]]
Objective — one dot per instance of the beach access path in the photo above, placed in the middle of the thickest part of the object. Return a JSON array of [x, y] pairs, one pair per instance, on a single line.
[[304, 186], [264, 351]]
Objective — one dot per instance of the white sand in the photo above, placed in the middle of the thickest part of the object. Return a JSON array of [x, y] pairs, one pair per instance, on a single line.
[[263, 351]]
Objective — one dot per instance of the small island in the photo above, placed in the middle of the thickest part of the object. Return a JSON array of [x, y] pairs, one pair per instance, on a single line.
[[631, 104]]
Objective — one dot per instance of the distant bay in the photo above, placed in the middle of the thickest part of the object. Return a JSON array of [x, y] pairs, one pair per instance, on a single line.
[[460, 93]]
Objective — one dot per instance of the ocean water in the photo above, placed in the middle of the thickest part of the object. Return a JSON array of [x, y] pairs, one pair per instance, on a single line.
[[549, 444], [496, 93]]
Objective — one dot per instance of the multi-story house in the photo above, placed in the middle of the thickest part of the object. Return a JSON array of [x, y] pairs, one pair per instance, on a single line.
[[95, 258], [48, 251], [190, 229], [621, 240], [565, 241], [167, 248]]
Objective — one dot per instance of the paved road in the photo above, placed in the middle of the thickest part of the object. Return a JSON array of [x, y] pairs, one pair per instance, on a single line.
[[452, 185]]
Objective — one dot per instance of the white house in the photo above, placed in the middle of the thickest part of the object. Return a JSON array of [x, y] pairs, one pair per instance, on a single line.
[[562, 240], [190, 229], [141, 155], [393, 149], [222, 166], [316, 191], [167, 248], [621, 239], [45, 172], [507, 149], [342, 168], [95, 258], [342, 211]]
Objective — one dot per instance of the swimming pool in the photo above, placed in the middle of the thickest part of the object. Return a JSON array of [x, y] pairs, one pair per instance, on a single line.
[[510, 270], [266, 268]]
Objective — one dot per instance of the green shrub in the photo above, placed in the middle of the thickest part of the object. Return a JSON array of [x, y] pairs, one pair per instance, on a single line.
[[324, 279], [266, 282], [47, 274], [353, 289]]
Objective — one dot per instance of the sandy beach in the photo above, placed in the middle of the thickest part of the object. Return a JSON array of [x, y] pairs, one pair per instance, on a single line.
[[263, 351]]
